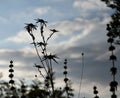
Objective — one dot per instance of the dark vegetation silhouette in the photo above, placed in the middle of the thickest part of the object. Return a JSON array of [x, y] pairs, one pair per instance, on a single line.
[[46, 58], [113, 28], [45, 67], [46, 88], [82, 71], [95, 91], [12, 82]]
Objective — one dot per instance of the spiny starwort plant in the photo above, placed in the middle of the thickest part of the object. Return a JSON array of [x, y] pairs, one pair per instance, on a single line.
[[113, 28], [95, 91], [46, 59], [12, 82], [37, 90], [23, 89], [68, 90], [113, 83], [114, 24]]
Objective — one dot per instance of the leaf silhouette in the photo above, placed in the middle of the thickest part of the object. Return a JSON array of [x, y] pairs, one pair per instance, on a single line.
[[30, 27], [38, 66], [41, 44], [51, 57], [41, 21], [53, 30]]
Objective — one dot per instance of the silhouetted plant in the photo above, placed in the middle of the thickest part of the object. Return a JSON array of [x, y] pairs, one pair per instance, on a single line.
[[113, 58], [114, 83], [95, 91], [114, 25], [68, 89], [11, 81], [4, 89], [23, 89], [113, 34], [11, 75], [37, 90], [46, 58]]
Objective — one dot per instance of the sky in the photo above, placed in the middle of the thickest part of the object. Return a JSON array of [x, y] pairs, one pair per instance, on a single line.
[[82, 29]]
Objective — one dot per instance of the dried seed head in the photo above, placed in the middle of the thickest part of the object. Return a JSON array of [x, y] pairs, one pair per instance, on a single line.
[[65, 67], [65, 62], [94, 87], [12, 88], [11, 75], [114, 96], [11, 70], [11, 81], [66, 79], [11, 61], [10, 65], [67, 88], [111, 48], [110, 40], [113, 57]]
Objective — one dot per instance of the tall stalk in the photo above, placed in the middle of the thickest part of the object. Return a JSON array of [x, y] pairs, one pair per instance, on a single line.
[[46, 59]]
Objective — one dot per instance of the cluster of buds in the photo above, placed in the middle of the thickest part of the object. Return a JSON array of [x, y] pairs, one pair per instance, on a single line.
[[11, 75], [65, 74], [67, 81], [114, 24], [47, 82], [23, 90], [113, 58], [95, 91], [113, 34], [47, 85]]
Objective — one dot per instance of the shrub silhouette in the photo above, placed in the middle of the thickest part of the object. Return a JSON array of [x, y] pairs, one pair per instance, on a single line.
[[46, 59], [113, 28]]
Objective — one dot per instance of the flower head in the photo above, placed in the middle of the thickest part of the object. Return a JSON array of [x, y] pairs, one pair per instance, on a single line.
[[30, 27], [41, 21]]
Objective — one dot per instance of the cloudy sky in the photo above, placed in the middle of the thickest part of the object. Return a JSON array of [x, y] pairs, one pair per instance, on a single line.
[[81, 25]]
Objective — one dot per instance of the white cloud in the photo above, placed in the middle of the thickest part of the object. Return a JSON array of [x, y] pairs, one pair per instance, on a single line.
[[106, 55], [91, 8], [27, 51], [42, 10], [22, 36], [65, 28], [84, 27], [90, 5], [103, 56], [68, 27], [3, 62]]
